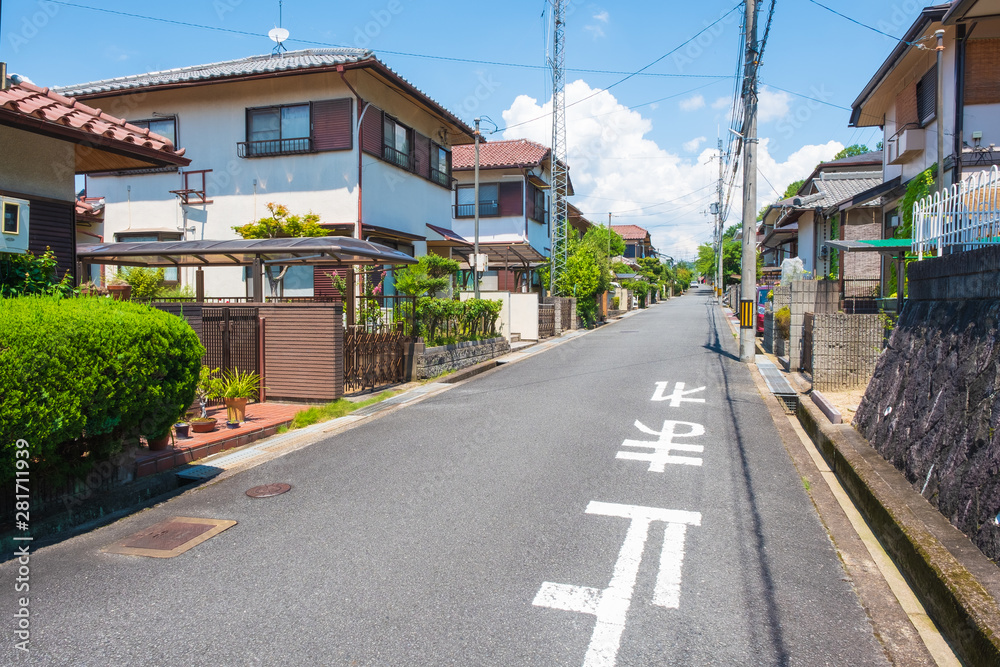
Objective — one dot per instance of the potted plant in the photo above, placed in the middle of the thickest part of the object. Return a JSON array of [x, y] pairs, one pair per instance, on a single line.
[[235, 388], [207, 388], [119, 287], [181, 429], [203, 424], [159, 442]]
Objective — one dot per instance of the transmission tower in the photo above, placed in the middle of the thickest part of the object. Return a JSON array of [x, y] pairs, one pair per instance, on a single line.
[[558, 216]]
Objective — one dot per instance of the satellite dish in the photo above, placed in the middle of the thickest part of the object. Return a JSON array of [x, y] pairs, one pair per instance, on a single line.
[[278, 35]]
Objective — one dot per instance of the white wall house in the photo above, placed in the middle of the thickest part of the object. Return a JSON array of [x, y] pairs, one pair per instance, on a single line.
[[329, 131], [514, 178]]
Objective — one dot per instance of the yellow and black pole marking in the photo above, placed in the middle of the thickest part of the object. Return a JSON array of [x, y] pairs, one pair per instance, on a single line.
[[746, 314]]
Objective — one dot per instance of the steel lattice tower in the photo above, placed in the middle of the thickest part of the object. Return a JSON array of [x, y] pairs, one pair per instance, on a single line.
[[558, 214]]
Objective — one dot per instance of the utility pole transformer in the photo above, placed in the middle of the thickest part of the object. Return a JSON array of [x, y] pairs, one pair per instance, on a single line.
[[558, 211], [748, 287]]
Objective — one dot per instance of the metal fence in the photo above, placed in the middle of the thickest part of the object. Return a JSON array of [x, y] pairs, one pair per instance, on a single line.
[[861, 295], [964, 217]]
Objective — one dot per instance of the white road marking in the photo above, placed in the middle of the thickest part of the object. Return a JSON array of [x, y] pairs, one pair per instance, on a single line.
[[677, 396], [611, 605], [663, 448]]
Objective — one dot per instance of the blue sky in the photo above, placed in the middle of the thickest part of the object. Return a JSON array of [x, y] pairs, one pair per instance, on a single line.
[[649, 163]]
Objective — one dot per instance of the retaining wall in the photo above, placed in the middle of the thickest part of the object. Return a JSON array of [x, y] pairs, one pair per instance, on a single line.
[[433, 361]]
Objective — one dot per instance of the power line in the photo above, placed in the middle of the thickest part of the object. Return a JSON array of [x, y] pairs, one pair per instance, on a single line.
[[472, 61], [865, 25]]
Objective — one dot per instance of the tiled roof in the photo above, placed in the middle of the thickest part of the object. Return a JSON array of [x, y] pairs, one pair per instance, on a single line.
[[495, 154], [291, 60], [30, 101], [873, 157], [630, 232]]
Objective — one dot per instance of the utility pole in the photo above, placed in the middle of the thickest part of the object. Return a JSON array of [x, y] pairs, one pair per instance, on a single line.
[[718, 229], [748, 285], [475, 195], [558, 214]]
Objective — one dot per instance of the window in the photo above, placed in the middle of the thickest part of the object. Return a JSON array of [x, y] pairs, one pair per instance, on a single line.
[[440, 166], [11, 217], [927, 96], [536, 211], [396, 143], [488, 201], [277, 131], [165, 127], [169, 273]]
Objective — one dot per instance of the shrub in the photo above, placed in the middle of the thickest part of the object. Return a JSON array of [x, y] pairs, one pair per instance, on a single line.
[[783, 322], [443, 321], [32, 274], [146, 282], [80, 378]]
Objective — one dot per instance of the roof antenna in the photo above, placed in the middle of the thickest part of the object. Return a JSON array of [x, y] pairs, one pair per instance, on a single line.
[[278, 34]]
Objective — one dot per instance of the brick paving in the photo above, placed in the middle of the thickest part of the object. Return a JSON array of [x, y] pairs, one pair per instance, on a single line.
[[262, 421]]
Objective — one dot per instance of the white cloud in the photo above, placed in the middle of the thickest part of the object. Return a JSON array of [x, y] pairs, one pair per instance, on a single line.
[[602, 16], [722, 103], [772, 105], [595, 29], [692, 103], [614, 167], [692, 146]]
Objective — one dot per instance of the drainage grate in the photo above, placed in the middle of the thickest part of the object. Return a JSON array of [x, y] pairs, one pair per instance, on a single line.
[[777, 384], [170, 538], [269, 490]]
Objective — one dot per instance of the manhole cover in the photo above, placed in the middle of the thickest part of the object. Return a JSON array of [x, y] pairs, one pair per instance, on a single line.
[[170, 538], [268, 490]]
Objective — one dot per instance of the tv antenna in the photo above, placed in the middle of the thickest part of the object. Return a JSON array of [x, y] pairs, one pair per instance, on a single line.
[[278, 34]]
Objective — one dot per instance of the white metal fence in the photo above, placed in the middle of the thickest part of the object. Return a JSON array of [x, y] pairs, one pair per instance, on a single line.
[[964, 217]]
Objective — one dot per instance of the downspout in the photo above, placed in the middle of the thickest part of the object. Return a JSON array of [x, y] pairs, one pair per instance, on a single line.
[[960, 44], [361, 116]]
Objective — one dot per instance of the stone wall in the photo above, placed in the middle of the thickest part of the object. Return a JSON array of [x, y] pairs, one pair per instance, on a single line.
[[808, 296], [433, 361], [845, 350], [932, 408]]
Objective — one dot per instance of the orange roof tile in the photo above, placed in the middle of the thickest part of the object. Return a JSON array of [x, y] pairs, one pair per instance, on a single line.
[[30, 101], [630, 232], [498, 154]]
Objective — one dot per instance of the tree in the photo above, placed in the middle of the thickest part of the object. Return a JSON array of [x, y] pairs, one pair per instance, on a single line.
[[281, 225], [430, 275], [793, 188], [598, 238], [851, 151]]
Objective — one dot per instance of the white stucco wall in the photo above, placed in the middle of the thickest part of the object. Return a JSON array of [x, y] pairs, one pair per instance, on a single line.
[[807, 242], [44, 166]]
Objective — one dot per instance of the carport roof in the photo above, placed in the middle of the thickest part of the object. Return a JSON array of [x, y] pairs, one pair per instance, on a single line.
[[242, 252]]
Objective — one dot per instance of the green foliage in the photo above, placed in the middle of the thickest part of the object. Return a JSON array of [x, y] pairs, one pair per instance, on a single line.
[[80, 378], [235, 384], [280, 225], [338, 408], [445, 321], [146, 282], [598, 239], [684, 277], [919, 187], [175, 292], [430, 275], [26, 274], [793, 188], [732, 258], [783, 321], [851, 151], [834, 253]]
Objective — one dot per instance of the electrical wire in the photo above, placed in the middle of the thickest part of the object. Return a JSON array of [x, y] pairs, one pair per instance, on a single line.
[[864, 25]]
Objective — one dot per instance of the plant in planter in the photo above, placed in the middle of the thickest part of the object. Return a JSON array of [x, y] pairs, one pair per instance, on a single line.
[[206, 389], [159, 442], [181, 429], [203, 424], [235, 388], [118, 287]]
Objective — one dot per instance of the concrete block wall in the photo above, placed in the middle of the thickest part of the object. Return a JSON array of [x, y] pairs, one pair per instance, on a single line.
[[845, 350], [968, 275], [808, 296]]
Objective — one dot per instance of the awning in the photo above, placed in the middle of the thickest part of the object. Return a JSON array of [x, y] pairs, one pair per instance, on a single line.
[[448, 236], [242, 252], [888, 247], [505, 254], [368, 231]]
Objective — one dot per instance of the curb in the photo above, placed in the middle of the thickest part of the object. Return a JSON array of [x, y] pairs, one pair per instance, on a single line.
[[952, 578]]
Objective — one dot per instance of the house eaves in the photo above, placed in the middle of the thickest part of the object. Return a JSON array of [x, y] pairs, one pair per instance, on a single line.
[[965, 10], [927, 16]]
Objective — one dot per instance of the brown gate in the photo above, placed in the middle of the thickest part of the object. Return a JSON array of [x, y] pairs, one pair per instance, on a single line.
[[546, 320], [230, 335], [378, 334]]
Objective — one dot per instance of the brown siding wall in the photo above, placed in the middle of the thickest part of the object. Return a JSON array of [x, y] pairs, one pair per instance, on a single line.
[[332, 125], [862, 225], [982, 71], [52, 225], [303, 352]]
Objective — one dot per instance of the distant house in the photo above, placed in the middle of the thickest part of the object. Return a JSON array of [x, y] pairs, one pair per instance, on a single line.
[[514, 178], [331, 131], [47, 139], [638, 242], [827, 206]]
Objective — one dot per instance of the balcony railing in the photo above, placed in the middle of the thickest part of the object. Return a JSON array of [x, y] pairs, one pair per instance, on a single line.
[[398, 158], [542, 217], [441, 178], [274, 147], [963, 217], [487, 209]]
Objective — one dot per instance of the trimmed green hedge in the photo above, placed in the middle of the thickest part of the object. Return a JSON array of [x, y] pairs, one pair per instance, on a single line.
[[81, 377]]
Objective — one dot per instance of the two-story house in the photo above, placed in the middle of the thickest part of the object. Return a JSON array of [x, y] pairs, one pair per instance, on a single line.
[[334, 132], [638, 243], [514, 231], [47, 139], [901, 98]]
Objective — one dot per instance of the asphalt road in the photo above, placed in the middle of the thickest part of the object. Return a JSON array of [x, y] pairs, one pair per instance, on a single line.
[[492, 524]]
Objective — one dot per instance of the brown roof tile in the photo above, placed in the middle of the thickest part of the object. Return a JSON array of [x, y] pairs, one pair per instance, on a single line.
[[630, 232], [497, 154]]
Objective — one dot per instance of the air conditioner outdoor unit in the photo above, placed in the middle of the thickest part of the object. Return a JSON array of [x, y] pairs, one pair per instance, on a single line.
[[14, 225], [906, 146]]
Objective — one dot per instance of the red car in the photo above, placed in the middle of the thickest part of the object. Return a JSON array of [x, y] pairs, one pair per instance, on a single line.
[[762, 292]]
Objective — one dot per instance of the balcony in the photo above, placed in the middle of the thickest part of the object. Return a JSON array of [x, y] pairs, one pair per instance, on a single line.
[[398, 158], [487, 209], [441, 178], [274, 147]]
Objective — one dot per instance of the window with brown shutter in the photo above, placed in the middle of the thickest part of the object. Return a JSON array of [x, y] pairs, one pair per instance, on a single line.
[[371, 131], [421, 155], [530, 204], [982, 71], [511, 199], [332, 125], [927, 96], [906, 107]]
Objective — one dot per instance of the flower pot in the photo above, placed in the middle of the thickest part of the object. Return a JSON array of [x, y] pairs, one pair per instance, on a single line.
[[120, 292], [158, 444], [203, 426], [232, 424], [181, 429], [236, 409]]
